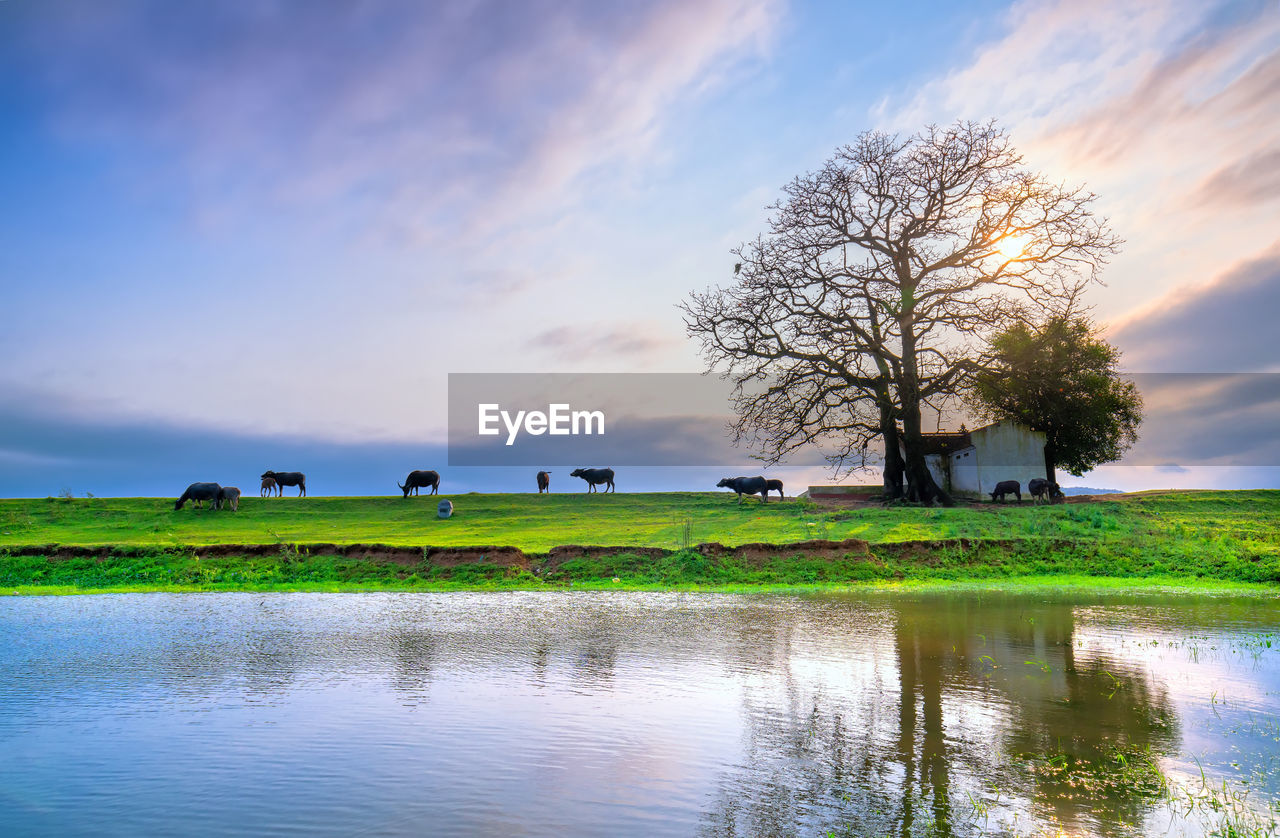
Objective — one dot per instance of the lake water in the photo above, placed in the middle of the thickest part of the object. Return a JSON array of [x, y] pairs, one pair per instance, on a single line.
[[637, 714]]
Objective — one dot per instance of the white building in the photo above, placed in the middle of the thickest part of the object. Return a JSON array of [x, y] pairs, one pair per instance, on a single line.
[[973, 462]]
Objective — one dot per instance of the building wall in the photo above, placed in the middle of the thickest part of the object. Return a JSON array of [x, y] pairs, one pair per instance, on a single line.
[[964, 472], [1003, 451]]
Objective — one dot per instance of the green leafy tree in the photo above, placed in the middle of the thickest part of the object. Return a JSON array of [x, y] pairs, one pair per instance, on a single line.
[[1061, 378]]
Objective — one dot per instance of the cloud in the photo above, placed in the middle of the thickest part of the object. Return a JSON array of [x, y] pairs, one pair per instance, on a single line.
[[1208, 419], [1049, 62], [1226, 73], [574, 343], [14, 458], [363, 184], [1098, 78], [47, 450], [1165, 110], [1253, 180], [1227, 325], [427, 119]]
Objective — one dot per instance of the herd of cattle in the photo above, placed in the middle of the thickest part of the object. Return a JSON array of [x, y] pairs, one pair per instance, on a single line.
[[273, 483], [1039, 488]]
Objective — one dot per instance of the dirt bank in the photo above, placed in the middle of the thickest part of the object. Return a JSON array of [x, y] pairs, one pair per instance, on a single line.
[[753, 554]]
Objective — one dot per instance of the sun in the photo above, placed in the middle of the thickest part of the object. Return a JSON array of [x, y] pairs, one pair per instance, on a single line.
[[1013, 246]]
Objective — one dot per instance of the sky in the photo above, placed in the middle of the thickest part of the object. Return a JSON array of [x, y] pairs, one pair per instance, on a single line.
[[260, 235]]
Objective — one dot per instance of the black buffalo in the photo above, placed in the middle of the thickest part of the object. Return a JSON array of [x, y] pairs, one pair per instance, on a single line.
[[595, 477], [1038, 488], [287, 478], [200, 492], [544, 482], [750, 486], [420, 480], [1007, 487], [775, 486]]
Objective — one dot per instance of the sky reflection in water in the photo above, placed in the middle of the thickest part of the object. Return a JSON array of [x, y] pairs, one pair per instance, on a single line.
[[636, 714]]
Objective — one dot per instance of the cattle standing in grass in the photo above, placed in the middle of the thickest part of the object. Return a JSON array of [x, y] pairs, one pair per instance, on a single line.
[[230, 496], [749, 486], [419, 480], [544, 482], [287, 478], [200, 492], [1007, 487], [595, 477], [775, 486], [1046, 490], [268, 487]]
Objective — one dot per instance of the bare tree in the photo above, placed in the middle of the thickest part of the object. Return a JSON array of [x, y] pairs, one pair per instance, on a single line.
[[878, 276]]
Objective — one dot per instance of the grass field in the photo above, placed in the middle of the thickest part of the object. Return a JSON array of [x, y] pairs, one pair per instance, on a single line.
[[1226, 536]]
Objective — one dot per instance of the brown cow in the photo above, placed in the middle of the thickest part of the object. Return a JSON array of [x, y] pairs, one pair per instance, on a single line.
[[544, 482]]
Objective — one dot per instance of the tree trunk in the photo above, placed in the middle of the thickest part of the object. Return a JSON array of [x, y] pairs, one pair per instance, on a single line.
[[921, 487], [893, 465], [1050, 463]]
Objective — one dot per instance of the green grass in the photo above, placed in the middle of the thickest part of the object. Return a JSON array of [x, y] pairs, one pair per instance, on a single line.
[[1237, 521], [530, 522], [1170, 538]]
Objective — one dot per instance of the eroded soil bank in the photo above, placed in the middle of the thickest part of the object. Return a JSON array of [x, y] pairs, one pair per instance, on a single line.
[[756, 554], [818, 562]]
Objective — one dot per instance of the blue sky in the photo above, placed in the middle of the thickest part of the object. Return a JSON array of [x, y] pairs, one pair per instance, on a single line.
[[286, 222]]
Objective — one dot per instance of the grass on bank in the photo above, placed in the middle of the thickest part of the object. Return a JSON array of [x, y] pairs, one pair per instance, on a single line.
[[1181, 538], [1237, 521]]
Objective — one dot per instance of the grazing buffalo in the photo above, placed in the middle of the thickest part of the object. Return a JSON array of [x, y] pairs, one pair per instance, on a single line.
[[420, 480], [268, 487], [200, 492], [287, 478], [775, 486], [230, 496], [595, 477], [1046, 490], [1007, 487], [749, 486], [544, 482]]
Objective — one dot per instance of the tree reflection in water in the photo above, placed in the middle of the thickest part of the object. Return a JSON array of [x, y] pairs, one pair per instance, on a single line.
[[975, 719]]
